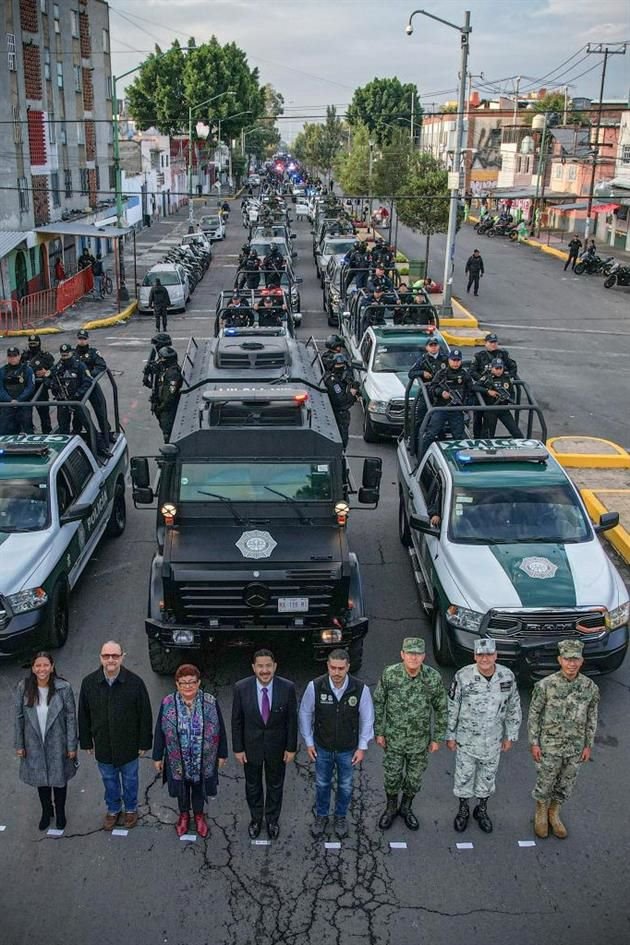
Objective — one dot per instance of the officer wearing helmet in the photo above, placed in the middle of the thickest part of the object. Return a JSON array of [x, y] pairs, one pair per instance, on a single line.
[[273, 265], [67, 380], [343, 393], [40, 361], [249, 273], [94, 363], [17, 383], [334, 345], [151, 369], [170, 384], [243, 255]]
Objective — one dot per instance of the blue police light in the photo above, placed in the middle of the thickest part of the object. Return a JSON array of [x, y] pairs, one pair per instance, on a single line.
[[231, 331], [462, 457]]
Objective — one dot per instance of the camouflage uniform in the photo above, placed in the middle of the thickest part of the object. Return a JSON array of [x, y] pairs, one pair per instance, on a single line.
[[403, 706], [562, 720], [482, 712]]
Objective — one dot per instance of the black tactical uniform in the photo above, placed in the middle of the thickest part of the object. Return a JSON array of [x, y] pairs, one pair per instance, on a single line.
[[273, 266], [94, 364], [334, 346], [424, 369], [169, 391], [482, 359], [160, 300], [249, 273], [454, 380], [17, 383], [503, 385], [67, 380], [40, 361], [151, 369], [238, 314], [339, 385]]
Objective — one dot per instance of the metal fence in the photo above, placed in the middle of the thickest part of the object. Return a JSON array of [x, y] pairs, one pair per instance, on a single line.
[[39, 307]]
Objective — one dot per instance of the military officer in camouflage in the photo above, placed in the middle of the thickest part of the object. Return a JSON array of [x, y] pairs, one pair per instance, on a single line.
[[561, 727], [484, 716], [410, 722]]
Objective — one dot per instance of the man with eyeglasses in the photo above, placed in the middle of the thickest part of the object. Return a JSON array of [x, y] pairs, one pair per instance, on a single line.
[[116, 725]]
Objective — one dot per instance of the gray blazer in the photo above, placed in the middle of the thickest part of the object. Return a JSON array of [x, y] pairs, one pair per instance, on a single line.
[[46, 763]]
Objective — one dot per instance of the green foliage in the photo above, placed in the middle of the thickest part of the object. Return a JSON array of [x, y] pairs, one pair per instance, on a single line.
[[168, 83], [553, 105], [391, 165], [263, 141], [352, 168], [384, 103], [317, 146], [427, 186]]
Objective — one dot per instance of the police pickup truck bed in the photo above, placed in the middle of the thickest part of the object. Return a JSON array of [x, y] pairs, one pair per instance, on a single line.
[[56, 502], [514, 556]]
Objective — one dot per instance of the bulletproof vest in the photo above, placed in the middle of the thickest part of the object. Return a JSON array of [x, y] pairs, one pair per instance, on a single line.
[[432, 365], [71, 374], [15, 379], [336, 725]]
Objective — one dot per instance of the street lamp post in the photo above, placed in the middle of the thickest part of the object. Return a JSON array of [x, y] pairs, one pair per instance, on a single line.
[[449, 260], [227, 118], [191, 109]]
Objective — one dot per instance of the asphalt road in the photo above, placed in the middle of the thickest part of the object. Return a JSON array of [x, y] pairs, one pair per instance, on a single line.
[[149, 888]]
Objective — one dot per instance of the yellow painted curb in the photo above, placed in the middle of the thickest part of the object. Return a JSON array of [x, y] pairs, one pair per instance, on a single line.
[[113, 320], [618, 537], [620, 459], [24, 332], [460, 341]]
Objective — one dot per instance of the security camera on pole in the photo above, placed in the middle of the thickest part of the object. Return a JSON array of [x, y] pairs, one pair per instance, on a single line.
[[453, 177]]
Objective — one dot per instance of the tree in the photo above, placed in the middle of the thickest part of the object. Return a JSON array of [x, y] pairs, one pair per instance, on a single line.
[[390, 170], [426, 202], [317, 146], [384, 104], [553, 105], [353, 167], [263, 141], [169, 82]]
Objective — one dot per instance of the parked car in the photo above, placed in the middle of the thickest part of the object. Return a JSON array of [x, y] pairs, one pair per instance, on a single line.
[[213, 226], [174, 278]]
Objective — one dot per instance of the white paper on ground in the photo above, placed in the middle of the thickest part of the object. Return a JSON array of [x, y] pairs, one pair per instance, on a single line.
[[333, 845], [3, 827], [191, 837], [119, 833], [465, 846], [261, 843], [527, 843], [54, 833], [397, 845]]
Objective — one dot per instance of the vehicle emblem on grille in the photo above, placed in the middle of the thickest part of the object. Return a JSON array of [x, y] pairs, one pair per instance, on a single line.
[[540, 568], [256, 596], [256, 544]]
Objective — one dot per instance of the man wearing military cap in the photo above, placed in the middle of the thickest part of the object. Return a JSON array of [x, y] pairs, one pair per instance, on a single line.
[[484, 716], [561, 727], [410, 722]]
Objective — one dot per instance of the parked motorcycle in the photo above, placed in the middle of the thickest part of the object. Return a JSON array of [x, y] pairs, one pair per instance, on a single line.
[[619, 275], [591, 263]]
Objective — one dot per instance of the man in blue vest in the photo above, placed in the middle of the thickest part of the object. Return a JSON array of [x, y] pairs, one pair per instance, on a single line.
[[336, 724]]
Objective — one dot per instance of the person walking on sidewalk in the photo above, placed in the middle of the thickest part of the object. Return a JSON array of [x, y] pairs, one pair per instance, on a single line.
[[474, 271], [575, 245], [116, 725], [159, 300], [98, 272]]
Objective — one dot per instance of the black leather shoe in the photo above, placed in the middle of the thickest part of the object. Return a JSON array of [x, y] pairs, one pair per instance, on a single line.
[[480, 814], [254, 829], [273, 829]]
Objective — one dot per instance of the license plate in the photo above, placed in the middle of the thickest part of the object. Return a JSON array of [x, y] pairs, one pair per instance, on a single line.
[[292, 605]]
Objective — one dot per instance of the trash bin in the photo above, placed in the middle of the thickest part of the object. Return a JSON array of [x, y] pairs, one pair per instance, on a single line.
[[416, 270]]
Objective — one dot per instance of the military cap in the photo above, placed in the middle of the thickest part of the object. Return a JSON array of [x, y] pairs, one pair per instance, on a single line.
[[34, 340], [485, 646], [491, 337], [65, 348], [12, 351], [497, 362], [455, 354], [413, 645], [571, 648], [431, 341], [82, 333]]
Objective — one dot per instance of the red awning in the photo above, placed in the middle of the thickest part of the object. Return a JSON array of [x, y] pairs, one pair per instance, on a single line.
[[604, 208]]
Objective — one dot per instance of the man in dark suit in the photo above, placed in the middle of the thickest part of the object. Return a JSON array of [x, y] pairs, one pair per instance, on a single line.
[[264, 738]]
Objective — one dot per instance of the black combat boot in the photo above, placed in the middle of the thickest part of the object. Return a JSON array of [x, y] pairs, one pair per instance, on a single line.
[[461, 817], [407, 814], [480, 814], [390, 813]]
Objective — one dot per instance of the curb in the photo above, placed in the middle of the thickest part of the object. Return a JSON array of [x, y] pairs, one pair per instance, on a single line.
[[461, 341], [618, 537], [618, 459], [24, 332], [116, 319]]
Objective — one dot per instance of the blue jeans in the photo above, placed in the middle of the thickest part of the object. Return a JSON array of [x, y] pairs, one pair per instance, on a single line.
[[120, 780], [325, 765]]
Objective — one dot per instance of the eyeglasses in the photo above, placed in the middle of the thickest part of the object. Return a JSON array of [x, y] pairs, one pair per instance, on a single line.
[[111, 656], [187, 682]]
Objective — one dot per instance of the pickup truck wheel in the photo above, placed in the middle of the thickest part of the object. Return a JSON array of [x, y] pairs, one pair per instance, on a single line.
[[164, 662], [369, 432], [403, 524], [355, 652], [441, 643], [57, 618], [118, 517]]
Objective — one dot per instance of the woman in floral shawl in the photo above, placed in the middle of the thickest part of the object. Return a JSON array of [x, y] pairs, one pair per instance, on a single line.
[[189, 746]]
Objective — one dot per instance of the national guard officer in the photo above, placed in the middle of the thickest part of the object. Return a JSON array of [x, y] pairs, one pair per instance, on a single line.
[[496, 387], [40, 361], [168, 392], [67, 380], [342, 392], [17, 384], [409, 722], [484, 716], [561, 728], [94, 363]]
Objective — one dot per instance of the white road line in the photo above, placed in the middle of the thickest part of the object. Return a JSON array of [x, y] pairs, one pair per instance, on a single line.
[[573, 331], [543, 350]]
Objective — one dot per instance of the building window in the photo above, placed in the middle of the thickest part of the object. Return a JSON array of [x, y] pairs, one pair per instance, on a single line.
[[105, 41], [47, 64], [63, 138], [51, 127], [23, 193], [572, 175], [83, 175], [76, 72], [557, 171], [67, 182], [11, 52], [60, 75], [74, 24], [54, 189], [112, 177], [17, 124], [43, 6], [109, 92], [625, 153], [80, 133], [56, 17]]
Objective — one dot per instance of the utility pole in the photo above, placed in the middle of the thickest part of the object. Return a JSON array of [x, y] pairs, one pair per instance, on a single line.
[[518, 85], [413, 114], [565, 111], [606, 51]]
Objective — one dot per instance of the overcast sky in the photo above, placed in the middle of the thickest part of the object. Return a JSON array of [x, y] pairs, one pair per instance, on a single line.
[[316, 52]]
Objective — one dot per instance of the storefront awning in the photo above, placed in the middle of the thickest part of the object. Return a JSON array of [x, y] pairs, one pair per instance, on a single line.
[[9, 239], [596, 208], [95, 230]]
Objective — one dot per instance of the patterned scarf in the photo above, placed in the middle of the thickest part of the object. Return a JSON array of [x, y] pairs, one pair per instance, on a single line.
[[190, 731], [192, 739]]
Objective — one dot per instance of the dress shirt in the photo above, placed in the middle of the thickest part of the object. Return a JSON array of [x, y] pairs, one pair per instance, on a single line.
[[259, 694], [366, 713]]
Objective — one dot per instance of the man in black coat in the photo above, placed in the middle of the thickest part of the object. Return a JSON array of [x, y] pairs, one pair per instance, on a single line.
[[264, 738], [474, 271], [116, 725]]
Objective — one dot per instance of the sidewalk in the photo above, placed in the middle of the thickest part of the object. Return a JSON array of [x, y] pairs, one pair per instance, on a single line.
[[556, 246]]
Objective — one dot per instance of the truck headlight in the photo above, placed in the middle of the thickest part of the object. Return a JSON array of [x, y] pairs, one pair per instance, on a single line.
[[27, 600], [618, 617], [377, 406], [334, 635], [464, 619]]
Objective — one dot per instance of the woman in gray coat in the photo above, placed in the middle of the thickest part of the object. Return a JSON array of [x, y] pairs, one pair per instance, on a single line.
[[46, 736]]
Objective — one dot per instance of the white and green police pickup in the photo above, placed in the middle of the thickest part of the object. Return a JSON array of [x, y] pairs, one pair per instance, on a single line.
[[510, 554], [56, 502]]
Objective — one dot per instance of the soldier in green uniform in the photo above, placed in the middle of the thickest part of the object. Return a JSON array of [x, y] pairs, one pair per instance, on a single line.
[[484, 716], [410, 722], [561, 728]]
